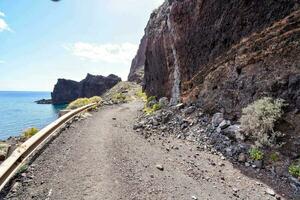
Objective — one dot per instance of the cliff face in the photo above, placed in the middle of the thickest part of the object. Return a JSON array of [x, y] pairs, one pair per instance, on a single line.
[[225, 54], [66, 91], [138, 63], [186, 36]]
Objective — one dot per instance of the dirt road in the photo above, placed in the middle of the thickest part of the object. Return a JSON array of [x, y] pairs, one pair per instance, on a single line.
[[103, 158]]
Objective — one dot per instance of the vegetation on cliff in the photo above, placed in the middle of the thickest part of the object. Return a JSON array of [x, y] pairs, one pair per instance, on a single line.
[[84, 101]]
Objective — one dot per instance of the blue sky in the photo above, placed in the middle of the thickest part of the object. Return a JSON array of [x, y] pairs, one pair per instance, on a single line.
[[42, 40]]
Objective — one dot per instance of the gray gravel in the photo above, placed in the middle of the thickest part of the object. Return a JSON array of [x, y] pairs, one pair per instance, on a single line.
[[101, 157]]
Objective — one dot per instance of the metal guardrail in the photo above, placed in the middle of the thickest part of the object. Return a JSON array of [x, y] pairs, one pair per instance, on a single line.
[[11, 165]]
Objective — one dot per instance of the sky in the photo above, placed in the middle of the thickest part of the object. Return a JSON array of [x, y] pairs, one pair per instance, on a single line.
[[42, 40]]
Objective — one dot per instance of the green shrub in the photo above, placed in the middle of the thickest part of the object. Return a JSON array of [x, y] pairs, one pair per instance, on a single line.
[[149, 99], [258, 119], [30, 132], [294, 170], [148, 110], [151, 110], [156, 107], [274, 157], [142, 95], [78, 103], [22, 169], [256, 154]]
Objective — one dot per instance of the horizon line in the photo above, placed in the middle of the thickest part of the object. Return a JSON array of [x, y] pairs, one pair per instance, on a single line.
[[24, 91]]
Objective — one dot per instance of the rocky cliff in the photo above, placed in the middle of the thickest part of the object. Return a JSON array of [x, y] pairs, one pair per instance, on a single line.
[[66, 91], [138, 63], [225, 54]]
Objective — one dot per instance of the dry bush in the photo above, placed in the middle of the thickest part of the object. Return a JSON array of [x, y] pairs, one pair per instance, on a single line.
[[258, 119], [96, 99], [78, 103]]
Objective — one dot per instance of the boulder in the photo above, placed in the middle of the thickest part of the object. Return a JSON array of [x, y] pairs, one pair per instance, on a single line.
[[233, 131]]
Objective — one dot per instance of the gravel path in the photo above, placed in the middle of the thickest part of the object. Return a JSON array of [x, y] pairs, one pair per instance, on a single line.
[[103, 158]]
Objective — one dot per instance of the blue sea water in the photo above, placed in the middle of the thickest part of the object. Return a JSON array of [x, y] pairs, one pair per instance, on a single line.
[[18, 111]]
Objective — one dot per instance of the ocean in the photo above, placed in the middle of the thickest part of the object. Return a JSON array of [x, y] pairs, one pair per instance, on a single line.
[[18, 111]]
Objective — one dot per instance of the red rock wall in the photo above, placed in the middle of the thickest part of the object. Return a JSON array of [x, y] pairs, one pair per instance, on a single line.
[[228, 54], [200, 31]]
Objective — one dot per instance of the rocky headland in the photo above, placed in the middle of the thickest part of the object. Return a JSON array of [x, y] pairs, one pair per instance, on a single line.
[[66, 91], [44, 101]]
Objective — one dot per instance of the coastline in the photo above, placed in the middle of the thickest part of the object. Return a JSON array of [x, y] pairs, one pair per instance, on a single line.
[[8, 145], [20, 111]]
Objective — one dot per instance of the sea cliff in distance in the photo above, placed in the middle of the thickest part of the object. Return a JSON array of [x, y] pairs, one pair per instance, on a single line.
[[66, 91]]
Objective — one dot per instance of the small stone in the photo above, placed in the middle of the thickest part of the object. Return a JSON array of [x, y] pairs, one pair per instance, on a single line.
[[224, 124], [217, 119], [194, 198], [229, 151], [179, 106], [242, 157], [160, 167], [247, 164], [190, 110], [15, 187], [137, 126], [163, 102], [270, 192], [155, 123], [114, 118], [232, 131], [235, 190], [258, 163]]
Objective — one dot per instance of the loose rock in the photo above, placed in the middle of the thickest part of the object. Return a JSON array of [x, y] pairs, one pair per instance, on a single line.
[[270, 192], [160, 167], [242, 157], [217, 119]]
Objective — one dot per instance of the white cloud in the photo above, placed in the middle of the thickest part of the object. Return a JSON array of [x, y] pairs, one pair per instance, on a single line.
[[109, 53], [3, 25]]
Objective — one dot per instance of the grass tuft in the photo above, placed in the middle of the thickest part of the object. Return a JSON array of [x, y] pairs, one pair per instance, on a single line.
[[294, 170], [29, 132]]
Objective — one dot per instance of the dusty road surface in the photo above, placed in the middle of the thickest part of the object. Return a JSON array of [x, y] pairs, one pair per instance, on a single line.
[[102, 158]]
